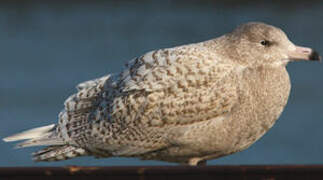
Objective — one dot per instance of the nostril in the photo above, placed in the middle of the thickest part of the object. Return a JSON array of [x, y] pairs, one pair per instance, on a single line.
[[303, 50], [306, 51]]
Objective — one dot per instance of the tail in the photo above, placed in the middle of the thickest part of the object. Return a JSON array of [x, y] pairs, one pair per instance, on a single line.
[[46, 136], [58, 153], [73, 121]]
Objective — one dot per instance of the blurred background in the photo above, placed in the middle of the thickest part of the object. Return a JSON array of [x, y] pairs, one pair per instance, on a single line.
[[47, 48]]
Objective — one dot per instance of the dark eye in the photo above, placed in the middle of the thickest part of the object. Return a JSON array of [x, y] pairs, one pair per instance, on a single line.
[[265, 42]]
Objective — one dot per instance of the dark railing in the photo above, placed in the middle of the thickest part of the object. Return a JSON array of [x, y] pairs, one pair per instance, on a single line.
[[268, 172]]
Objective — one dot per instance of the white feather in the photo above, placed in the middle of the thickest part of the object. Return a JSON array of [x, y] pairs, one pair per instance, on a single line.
[[30, 134]]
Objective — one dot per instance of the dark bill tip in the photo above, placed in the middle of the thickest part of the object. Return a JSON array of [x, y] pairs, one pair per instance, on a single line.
[[314, 56]]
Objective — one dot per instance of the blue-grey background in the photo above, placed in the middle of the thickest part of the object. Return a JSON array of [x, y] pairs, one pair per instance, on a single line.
[[46, 48]]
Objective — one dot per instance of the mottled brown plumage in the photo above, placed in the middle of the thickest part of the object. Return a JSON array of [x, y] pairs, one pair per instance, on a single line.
[[186, 104]]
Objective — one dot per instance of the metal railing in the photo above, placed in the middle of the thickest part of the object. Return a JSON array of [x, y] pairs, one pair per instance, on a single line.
[[268, 172]]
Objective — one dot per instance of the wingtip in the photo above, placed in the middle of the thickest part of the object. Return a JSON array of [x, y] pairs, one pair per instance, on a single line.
[[6, 139], [29, 134], [10, 138]]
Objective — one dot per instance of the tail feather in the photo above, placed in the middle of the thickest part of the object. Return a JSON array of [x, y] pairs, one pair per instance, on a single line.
[[46, 136], [30, 134], [57, 153], [40, 136], [40, 142]]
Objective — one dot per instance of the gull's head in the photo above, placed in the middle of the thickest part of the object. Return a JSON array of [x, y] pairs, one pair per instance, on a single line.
[[255, 44]]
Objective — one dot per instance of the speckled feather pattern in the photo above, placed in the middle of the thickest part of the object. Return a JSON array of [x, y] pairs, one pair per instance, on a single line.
[[184, 104], [140, 110]]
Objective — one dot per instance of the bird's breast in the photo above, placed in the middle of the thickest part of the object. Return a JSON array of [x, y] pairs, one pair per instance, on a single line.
[[264, 92]]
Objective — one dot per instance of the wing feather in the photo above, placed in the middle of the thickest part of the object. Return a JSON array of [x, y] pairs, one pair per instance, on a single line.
[[183, 85], [170, 88]]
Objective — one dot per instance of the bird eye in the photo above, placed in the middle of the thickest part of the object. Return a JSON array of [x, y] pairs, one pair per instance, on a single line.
[[265, 42]]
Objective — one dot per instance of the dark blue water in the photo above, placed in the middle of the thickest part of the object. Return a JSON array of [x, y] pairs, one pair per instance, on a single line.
[[47, 48]]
